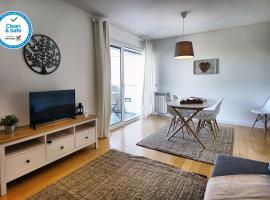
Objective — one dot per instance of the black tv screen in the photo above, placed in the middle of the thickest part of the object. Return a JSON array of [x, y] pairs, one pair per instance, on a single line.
[[51, 105]]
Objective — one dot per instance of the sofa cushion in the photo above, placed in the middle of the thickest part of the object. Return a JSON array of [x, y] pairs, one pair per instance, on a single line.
[[249, 186], [229, 165]]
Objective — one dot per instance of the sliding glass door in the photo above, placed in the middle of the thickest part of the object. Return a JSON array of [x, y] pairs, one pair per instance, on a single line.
[[127, 75], [133, 83]]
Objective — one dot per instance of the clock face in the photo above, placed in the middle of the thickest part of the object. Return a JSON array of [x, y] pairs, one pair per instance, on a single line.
[[42, 54]]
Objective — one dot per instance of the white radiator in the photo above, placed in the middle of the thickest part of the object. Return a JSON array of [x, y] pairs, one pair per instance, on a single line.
[[160, 102]]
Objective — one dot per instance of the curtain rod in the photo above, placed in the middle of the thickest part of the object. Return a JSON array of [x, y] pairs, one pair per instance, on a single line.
[[124, 28]]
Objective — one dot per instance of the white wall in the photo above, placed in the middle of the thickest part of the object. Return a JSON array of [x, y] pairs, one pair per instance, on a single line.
[[71, 29], [244, 69]]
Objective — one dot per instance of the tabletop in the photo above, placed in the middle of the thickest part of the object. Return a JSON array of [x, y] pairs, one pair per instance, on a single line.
[[207, 102]]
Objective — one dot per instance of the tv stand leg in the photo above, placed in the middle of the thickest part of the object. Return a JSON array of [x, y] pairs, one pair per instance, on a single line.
[[3, 189], [2, 171]]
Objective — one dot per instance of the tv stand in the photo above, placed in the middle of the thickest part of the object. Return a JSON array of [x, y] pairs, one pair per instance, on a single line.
[[30, 149]]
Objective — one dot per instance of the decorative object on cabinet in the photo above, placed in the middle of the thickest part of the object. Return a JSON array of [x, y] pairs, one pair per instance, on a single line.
[[79, 109], [9, 122], [86, 114], [207, 66], [42, 54]]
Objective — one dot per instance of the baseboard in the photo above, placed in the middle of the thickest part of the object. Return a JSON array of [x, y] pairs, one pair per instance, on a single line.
[[245, 124], [162, 114]]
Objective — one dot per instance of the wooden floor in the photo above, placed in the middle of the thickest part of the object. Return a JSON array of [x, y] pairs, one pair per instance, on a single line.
[[247, 144]]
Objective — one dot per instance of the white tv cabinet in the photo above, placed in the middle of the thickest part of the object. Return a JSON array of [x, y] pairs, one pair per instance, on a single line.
[[28, 149]]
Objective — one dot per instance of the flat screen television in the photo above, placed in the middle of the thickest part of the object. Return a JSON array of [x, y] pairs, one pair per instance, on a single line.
[[51, 105]]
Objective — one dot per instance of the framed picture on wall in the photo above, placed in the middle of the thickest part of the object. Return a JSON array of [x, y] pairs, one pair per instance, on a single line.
[[207, 66]]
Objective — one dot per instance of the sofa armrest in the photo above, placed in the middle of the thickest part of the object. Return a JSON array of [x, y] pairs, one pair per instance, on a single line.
[[229, 165]]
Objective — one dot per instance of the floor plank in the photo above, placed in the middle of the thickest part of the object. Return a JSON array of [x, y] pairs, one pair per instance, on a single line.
[[247, 144]]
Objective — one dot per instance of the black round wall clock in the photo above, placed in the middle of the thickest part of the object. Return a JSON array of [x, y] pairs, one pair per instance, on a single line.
[[42, 54]]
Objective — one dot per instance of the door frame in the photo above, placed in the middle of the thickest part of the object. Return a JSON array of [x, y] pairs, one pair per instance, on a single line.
[[123, 47]]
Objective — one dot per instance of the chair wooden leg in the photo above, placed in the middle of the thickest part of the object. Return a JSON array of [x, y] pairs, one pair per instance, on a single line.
[[175, 123], [257, 119], [265, 123], [198, 126], [187, 132], [209, 130], [212, 130], [193, 124], [216, 124], [182, 129], [171, 124]]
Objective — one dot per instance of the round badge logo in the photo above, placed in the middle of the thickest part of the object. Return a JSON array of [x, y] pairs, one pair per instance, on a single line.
[[15, 30]]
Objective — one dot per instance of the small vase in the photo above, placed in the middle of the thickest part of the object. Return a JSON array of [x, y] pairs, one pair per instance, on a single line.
[[10, 129]]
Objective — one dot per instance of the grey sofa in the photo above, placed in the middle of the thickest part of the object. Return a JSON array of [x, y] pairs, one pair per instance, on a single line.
[[251, 179], [229, 165]]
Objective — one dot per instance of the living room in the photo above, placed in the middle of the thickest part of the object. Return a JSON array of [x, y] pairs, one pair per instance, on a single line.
[[134, 99]]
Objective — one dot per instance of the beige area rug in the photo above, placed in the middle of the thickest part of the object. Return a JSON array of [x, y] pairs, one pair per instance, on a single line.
[[117, 175], [189, 149]]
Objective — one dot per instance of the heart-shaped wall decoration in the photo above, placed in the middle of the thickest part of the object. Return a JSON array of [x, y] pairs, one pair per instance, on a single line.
[[204, 66]]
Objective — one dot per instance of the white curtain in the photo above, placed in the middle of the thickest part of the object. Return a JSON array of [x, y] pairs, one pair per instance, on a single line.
[[149, 80], [103, 74]]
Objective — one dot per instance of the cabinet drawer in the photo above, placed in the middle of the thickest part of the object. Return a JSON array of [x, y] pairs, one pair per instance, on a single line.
[[57, 148], [85, 137], [17, 164]]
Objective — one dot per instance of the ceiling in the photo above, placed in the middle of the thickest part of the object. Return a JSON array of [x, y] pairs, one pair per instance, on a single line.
[[161, 18]]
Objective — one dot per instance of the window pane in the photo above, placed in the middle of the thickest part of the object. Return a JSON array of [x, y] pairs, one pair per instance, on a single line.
[[116, 109], [133, 81]]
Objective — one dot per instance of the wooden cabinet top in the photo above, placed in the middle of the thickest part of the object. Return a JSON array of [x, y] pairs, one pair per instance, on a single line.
[[26, 131]]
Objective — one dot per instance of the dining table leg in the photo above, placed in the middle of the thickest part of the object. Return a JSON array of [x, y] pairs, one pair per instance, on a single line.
[[185, 124]]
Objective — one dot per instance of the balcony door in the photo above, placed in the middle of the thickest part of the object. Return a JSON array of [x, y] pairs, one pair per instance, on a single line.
[[127, 75]]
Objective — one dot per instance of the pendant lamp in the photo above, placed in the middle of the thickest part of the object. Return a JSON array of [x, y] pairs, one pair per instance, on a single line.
[[183, 49]]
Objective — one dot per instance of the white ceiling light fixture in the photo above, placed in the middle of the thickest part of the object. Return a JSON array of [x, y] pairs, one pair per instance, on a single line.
[[183, 49]]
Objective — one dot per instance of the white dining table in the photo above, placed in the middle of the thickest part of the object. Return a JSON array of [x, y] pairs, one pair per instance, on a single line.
[[196, 108]]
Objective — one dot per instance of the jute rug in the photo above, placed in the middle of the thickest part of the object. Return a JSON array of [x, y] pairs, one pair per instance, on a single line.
[[189, 149], [117, 175]]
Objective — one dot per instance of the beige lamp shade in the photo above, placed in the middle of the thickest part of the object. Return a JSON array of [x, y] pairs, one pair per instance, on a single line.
[[183, 50]]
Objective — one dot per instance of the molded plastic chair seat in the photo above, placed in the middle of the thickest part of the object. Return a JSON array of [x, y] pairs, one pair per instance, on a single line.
[[260, 111], [184, 113], [265, 109], [262, 114], [209, 114]]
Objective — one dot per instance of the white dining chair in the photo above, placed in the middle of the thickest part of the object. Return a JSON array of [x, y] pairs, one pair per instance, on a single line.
[[185, 113], [262, 114], [176, 120], [172, 112], [208, 119]]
